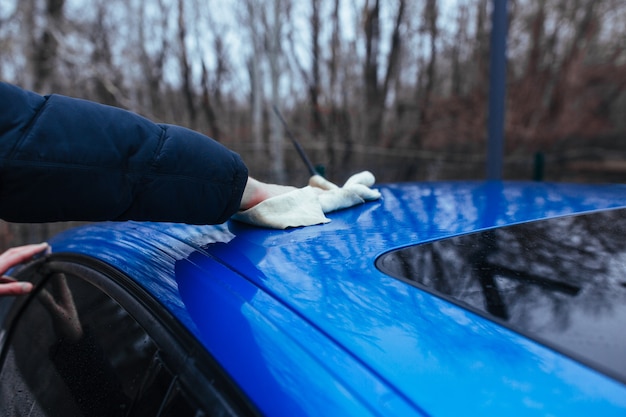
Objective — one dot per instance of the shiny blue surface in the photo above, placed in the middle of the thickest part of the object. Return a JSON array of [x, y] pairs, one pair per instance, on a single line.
[[306, 325]]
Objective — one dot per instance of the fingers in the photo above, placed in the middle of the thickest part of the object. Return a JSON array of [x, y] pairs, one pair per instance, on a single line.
[[13, 257], [63, 290], [12, 287], [49, 302], [17, 255], [5, 279]]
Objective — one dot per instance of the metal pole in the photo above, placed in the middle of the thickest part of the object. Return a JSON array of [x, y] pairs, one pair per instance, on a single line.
[[497, 90], [296, 144]]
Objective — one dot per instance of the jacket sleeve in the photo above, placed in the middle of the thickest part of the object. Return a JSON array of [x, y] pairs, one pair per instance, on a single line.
[[70, 159]]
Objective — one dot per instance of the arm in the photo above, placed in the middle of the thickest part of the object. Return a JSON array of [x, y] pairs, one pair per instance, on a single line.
[[69, 159]]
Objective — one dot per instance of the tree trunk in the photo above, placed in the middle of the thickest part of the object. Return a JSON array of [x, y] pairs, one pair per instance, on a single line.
[[45, 49], [375, 91], [373, 97], [253, 21], [274, 52], [207, 105], [333, 134], [318, 128], [431, 14], [184, 64], [152, 66]]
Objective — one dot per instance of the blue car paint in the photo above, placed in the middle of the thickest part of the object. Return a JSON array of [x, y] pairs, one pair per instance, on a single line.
[[310, 327]]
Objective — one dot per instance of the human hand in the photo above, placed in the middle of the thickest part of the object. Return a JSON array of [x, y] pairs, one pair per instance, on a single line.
[[62, 308], [257, 192], [306, 206], [11, 258]]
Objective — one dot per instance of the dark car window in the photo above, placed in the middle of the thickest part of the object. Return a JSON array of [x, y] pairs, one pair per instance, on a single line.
[[72, 350], [561, 281]]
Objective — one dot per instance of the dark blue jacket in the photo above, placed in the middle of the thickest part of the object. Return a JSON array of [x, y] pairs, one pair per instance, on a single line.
[[69, 159]]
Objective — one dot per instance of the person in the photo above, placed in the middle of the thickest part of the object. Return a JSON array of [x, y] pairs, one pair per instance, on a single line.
[[64, 158]]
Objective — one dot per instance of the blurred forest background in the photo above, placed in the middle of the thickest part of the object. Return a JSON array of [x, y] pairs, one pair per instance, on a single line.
[[398, 87]]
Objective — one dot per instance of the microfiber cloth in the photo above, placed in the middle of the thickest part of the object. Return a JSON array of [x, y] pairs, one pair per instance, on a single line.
[[306, 206]]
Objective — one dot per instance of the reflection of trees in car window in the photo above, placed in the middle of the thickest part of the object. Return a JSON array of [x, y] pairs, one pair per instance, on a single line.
[[561, 279]]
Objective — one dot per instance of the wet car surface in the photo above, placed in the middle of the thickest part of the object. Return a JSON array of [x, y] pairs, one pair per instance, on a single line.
[[323, 320]]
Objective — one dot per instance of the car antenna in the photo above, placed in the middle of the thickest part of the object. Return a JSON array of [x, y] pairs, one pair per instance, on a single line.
[[296, 144]]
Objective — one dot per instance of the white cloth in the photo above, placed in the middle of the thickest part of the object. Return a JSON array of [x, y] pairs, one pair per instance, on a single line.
[[306, 206]]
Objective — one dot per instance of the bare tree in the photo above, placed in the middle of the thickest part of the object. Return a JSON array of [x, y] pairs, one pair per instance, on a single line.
[[376, 90], [152, 64], [312, 76], [106, 78], [250, 17], [333, 134], [44, 46], [481, 46], [460, 42], [273, 23], [207, 104], [393, 74], [265, 20], [314, 83], [185, 67], [430, 16], [562, 91]]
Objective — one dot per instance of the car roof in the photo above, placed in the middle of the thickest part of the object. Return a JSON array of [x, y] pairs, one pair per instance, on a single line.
[[304, 322]]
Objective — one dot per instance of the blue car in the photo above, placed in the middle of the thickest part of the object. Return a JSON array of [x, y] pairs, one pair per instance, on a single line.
[[440, 299]]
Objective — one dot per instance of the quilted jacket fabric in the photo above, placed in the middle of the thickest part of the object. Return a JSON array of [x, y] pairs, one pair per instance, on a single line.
[[65, 159]]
